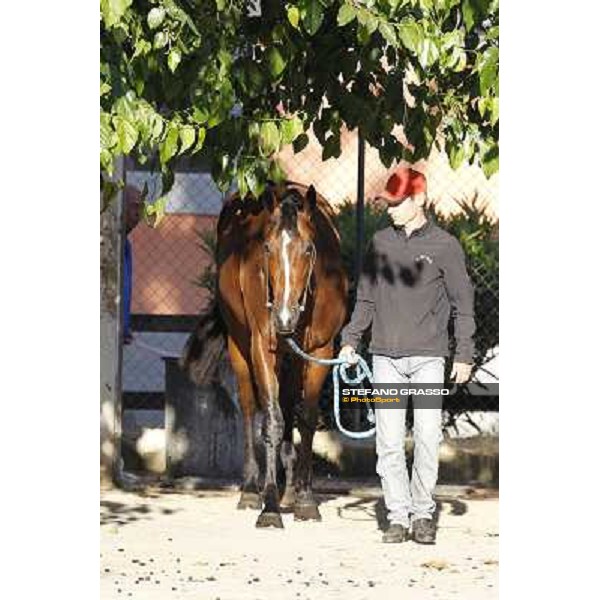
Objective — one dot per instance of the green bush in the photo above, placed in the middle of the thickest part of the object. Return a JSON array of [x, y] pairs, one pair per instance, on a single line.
[[478, 235], [475, 230], [345, 219]]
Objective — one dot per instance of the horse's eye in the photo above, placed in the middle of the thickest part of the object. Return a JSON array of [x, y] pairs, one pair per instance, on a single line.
[[308, 249], [267, 247]]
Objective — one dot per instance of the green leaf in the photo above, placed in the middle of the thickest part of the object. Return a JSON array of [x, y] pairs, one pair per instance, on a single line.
[[113, 10], [456, 60], [157, 127], [362, 34], [107, 162], [127, 134], [187, 135], [155, 17], [456, 154], [269, 138], [104, 88], [255, 178], [488, 71], [482, 106], [490, 161], [124, 106], [275, 61], [428, 53], [154, 212], [107, 133], [388, 32], [290, 130], [251, 180], [160, 40], [180, 15], [241, 183], [475, 11], [410, 35], [174, 59], [200, 143], [276, 172], [332, 147], [167, 179], [293, 15], [313, 16], [300, 143], [415, 129], [493, 32], [142, 47], [200, 114], [168, 147], [468, 13], [494, 110], [367, 20], [255, 80], [346, 14]]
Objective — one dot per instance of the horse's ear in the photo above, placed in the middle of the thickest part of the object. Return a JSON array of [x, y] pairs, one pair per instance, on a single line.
[[311, 197], [268, 198]]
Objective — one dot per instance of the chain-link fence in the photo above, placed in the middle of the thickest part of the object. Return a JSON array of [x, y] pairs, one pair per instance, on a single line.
[[166, 263], [169, 261]]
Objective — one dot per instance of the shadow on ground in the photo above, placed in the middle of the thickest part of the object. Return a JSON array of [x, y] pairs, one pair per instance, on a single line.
[[117, 513], [368, 509]]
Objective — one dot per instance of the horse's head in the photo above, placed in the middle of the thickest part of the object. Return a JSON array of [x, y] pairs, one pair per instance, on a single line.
[[289, 254]]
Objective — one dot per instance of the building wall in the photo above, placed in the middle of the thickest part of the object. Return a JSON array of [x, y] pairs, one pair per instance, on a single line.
[[166, 261]]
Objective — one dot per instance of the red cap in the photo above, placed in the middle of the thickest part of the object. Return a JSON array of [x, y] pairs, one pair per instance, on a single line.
[[403, 183]]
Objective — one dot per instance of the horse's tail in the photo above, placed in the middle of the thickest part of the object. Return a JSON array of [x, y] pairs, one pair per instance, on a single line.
[[205, 346]]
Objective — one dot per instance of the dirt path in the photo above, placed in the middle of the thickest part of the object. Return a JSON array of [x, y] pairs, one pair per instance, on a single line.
[[197, 545]]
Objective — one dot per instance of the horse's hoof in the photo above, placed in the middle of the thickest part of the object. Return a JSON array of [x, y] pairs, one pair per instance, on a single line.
[[288, 500], [250, 500], [269, 519], [306, 512]]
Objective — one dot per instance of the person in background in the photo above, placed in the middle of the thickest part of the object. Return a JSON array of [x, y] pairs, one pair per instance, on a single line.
[[413, 281], [132, 206]]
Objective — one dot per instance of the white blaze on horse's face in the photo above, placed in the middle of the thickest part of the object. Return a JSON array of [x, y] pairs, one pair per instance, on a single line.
[[285, 314]]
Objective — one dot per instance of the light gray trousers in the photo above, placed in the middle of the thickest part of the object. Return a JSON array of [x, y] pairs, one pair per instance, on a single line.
[[403, 497]]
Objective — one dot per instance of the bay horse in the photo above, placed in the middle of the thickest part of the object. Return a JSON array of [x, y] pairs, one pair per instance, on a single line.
[[279, 274]]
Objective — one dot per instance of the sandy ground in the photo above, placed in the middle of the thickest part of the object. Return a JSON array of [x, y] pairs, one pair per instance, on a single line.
[[197, 545]]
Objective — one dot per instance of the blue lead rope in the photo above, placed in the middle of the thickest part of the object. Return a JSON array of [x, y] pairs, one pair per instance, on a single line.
[[340, 369]]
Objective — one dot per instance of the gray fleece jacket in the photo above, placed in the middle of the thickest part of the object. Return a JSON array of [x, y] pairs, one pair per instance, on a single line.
[[408, 290]]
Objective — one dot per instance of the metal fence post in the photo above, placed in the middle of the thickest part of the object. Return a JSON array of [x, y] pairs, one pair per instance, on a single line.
[[360, 230], [360, 207]]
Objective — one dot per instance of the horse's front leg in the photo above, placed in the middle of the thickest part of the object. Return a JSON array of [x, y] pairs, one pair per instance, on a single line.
[[306, 507], [290, 392], [268, 390]]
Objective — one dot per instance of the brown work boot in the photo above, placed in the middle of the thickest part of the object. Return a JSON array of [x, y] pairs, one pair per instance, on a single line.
[[423, 531], [396, 534]]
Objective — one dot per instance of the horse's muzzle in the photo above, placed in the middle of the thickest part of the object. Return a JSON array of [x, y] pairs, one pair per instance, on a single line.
[[286, 319]]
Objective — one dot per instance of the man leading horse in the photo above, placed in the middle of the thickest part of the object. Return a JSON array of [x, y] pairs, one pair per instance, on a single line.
[[414, 278]]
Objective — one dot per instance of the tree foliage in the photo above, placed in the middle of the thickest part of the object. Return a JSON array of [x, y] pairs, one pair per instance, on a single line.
[[181, 77]]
